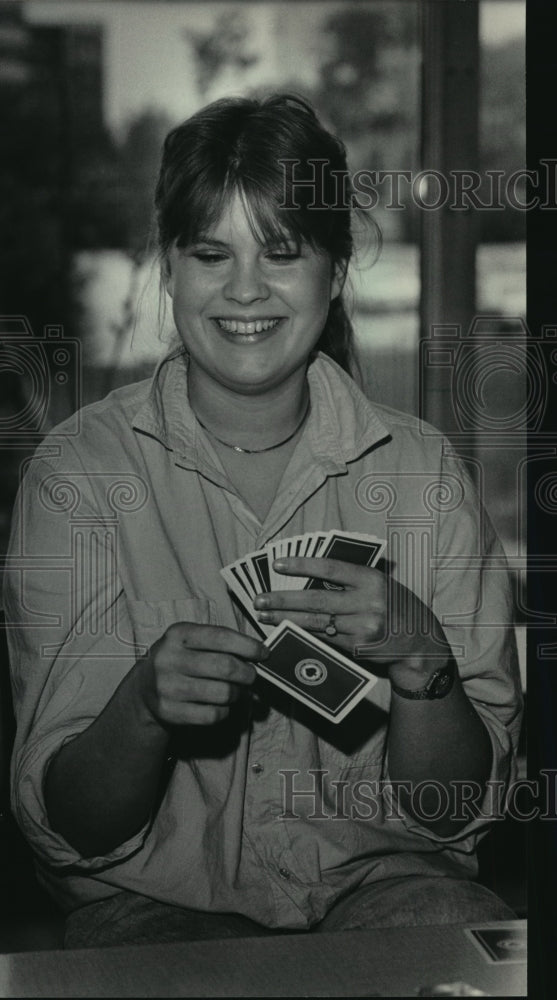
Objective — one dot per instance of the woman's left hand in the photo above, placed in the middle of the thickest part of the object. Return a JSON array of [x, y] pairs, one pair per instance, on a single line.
[[376, 618]]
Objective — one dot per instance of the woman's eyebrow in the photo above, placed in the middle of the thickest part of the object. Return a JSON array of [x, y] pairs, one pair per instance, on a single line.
[[209, 239], [279, 241]]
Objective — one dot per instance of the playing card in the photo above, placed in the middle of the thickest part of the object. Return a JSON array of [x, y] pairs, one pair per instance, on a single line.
[[500, 944], [348, 546], [306, 545], [253, 573], [245, 569], [295, 545], [280, 549], [239, 588], [260, 569], [237, 584], [314, 673], [315, 541]]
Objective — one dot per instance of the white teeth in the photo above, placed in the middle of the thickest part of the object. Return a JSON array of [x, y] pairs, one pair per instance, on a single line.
[[254, 326]]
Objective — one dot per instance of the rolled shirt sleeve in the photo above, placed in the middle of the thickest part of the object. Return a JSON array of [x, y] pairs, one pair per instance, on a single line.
[[69, 637], [472, 600]]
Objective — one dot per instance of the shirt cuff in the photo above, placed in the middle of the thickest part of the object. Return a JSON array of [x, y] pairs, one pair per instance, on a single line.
[[480, 809], [29, 808]]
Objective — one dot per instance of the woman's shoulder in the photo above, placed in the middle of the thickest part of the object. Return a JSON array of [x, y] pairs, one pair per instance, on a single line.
[[102, 429], [406, 422], [399, 426], [120, 404]]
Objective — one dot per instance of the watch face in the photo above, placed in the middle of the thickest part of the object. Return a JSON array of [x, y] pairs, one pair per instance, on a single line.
[[440, 683]]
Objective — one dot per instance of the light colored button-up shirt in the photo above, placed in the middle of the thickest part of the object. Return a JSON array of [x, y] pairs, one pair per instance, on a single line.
[[122, 529]]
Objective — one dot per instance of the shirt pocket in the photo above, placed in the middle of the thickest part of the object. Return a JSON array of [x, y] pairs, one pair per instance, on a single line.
[[150, 619]]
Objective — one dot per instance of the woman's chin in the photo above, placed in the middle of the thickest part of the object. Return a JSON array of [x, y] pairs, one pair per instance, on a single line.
[[252, 377]]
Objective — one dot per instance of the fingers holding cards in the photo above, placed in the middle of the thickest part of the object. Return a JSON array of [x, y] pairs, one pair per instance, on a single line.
[[322, 574], [317, 552], [344, 547], [309, 544], [313, 673], [313, 578], [254, 573], [353, 595]]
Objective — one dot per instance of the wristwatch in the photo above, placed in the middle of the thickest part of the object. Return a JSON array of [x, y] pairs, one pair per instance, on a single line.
[[438, 685]]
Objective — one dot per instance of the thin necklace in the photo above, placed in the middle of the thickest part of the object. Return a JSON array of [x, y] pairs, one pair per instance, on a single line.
[[255, 451]]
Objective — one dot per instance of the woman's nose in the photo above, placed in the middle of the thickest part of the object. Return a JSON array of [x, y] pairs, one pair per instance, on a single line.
[[246, 283]]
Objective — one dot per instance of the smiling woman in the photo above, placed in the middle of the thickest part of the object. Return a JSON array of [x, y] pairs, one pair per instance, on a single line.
[[150, 754], [235, 153], [249, 313], [255, 291]]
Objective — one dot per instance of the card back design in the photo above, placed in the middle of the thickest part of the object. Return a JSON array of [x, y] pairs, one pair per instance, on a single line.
[[314, 673], [499, 944]]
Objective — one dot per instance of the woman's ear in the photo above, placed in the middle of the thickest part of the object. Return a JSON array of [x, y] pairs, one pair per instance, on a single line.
[[340, 269]]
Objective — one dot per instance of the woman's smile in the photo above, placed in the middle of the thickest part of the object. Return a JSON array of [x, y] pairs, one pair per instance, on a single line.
[[247, 326]]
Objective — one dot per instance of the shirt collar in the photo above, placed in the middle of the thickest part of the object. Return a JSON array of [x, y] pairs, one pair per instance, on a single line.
[[342, 425], [166, 413]]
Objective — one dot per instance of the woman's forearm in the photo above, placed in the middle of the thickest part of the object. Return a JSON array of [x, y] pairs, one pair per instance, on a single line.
[[101, 786], [441, 743]]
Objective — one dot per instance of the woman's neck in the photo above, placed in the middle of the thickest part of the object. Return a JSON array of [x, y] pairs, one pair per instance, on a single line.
[[252, 421]]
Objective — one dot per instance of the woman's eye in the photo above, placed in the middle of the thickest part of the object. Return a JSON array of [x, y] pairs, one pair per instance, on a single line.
[[283, 255], [209, 256]]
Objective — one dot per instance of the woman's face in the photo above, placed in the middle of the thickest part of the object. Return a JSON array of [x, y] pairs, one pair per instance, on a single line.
[[249, 314]]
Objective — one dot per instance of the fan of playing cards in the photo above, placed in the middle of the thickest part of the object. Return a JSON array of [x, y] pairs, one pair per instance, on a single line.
[[299, 663]]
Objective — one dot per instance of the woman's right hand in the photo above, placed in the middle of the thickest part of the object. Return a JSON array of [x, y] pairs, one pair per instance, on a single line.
[[194, 673]]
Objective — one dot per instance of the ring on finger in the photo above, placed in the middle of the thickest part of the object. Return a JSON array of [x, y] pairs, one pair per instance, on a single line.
[[331, 628]]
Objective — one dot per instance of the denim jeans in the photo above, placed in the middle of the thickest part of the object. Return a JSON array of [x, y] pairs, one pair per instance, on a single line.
[[129, 918]]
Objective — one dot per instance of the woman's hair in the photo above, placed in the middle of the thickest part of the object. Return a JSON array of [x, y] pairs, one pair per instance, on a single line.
[[262, 150]]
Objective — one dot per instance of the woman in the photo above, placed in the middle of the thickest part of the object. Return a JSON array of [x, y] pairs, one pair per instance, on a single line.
[[170, 795]]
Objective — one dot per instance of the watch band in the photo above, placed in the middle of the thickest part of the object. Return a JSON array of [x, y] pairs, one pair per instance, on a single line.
[[439, 684]]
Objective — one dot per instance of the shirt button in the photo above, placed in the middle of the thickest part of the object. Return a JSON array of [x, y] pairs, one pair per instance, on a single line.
[[284, 873], [257, 768]]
